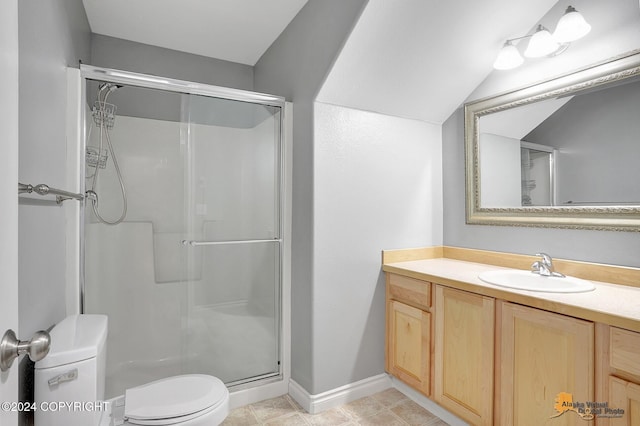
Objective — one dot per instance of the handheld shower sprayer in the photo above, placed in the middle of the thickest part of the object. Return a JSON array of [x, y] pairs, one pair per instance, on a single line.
[[104, 117], [110, 87]]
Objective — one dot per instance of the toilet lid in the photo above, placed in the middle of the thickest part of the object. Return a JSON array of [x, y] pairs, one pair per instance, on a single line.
[[172, 397]]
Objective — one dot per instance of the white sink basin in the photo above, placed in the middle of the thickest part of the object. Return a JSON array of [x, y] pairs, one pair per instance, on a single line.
[[526, 280]]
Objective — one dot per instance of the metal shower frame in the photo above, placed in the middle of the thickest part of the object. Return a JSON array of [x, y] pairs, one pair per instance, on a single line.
[[89, 72]]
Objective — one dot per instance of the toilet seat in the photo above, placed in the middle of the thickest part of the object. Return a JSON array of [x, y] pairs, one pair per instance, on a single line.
[[174, 399], [170, 421]]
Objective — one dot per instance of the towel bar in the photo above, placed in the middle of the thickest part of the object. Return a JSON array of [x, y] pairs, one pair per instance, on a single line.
[[43, 189]]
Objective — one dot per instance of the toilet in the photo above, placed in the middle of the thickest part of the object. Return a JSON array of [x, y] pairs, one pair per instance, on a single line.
[[69, 386]]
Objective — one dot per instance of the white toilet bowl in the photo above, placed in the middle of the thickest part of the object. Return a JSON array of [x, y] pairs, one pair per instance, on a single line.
[[190, 400], [70, 381]]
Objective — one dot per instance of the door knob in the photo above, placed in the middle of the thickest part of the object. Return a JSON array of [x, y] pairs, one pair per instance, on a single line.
[[11, 347]]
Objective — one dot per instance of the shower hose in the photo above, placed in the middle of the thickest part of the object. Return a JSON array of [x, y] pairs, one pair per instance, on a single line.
[[104, 134]]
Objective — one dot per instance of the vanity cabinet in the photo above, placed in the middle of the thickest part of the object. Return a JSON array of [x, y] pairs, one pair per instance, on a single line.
[[496, 356], [493, 362], [408, 334], [621, 375], [540, 355], [464, 349]]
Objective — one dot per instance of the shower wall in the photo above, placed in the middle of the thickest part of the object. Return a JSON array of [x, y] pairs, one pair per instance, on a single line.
[[171, 309]]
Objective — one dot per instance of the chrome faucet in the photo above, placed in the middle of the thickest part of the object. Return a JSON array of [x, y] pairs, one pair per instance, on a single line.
[[544, 266]]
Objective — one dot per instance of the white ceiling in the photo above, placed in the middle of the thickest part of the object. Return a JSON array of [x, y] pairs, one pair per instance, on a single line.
[[421, 58], [233, 30]]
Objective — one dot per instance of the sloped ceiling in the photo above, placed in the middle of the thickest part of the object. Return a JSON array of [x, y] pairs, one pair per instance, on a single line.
[[516, 123], [233, 30], [421, 58], [417, 59]]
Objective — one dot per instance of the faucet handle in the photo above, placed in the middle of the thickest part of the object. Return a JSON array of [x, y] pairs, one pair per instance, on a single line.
[[544, 266], [546, 259]]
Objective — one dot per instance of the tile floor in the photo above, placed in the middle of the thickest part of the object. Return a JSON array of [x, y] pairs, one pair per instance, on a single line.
[[388, 408]]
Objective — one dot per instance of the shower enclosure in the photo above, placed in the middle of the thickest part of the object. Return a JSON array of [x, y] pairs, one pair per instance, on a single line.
[[187, 262]]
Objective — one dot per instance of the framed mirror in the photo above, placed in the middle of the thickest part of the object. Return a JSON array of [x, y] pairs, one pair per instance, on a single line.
[[562, 153]]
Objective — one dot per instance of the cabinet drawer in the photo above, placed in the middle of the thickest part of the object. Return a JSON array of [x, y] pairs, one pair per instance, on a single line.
[[410, 290], [625, 350]]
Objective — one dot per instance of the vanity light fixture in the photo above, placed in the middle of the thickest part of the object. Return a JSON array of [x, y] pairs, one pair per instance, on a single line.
[[542, 43], [571, 27]]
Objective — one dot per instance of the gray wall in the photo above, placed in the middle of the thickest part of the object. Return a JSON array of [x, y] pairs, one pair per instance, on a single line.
[[295, 66], [377, 184], [596, 135], [52, 35], [110, 52]]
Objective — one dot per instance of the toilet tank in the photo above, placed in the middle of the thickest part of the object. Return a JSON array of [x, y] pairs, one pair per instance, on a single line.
[[69, 382]]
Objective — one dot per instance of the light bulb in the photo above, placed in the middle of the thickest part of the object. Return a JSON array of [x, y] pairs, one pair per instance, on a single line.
[[571, 26]]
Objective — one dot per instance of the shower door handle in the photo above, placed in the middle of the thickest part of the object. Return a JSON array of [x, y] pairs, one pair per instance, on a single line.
[[195, 243]]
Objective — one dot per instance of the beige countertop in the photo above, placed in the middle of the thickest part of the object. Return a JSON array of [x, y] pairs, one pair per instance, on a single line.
[[613, 304]]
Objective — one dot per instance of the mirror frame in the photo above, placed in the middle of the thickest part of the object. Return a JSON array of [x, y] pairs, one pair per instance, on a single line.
[[618, 218]]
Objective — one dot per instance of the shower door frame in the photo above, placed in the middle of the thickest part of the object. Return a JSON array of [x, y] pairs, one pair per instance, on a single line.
[[252, 390]]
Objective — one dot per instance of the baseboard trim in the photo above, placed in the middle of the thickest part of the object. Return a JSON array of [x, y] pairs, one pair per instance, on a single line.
[[239, 398], [344, 394]]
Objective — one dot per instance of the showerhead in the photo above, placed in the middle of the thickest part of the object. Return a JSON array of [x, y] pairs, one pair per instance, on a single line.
[[110, 87], [103, 112]]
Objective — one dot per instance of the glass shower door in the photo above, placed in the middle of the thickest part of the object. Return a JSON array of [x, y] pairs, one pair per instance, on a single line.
[[232, 238], [191, 278]]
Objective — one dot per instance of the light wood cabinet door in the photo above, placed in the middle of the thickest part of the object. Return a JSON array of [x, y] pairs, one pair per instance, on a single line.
[[464, 342], [541, 355], [409, 348], [624, 349], [626, 396]]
